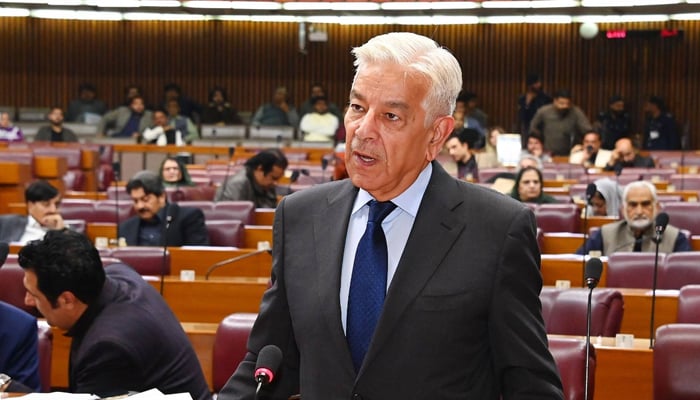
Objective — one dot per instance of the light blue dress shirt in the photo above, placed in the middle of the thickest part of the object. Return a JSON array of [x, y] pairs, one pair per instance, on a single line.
[[397, 226]]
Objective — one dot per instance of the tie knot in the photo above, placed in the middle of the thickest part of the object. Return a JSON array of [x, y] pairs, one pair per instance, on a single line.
[[378, 210]]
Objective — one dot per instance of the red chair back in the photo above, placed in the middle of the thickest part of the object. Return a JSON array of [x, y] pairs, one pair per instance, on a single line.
[[230, 346], [677, 362], [564, 311], [570, 357]]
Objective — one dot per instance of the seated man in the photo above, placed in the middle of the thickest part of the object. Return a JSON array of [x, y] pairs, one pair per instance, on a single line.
[[125, 337], [158, 222], [636, 231], [42, 201], [162, 133], [55, 132], [256, 182], [279, 111], [590, 154], [626, 156], [126, 121], [460, 145]]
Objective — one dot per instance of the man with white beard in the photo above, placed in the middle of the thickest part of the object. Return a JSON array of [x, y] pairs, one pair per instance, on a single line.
[[636, 231]]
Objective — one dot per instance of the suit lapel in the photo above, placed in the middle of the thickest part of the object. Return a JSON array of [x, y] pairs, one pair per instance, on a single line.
[[330, 229], [436, 228]]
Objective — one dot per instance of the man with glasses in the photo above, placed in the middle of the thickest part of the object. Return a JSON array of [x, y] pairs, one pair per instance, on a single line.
[[636, 231]]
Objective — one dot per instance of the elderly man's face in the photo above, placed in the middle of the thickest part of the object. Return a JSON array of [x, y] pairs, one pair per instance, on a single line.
[[389, 140], [640, 208]]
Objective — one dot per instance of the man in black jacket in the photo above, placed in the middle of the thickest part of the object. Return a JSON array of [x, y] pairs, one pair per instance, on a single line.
[[158, 222], [124, 336]]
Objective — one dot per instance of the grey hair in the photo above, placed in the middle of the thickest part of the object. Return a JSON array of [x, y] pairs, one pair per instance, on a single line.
[[536, 159], [424, 56], [640, 184]]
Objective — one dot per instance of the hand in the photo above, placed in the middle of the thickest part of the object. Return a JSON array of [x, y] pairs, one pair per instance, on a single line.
[[284, 106], [52, 221]]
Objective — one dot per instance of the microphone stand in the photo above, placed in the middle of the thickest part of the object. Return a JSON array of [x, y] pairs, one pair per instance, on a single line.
[[657, 241], [588, 343], [166, 227], [231, 151], [116, 201], [233, 260]]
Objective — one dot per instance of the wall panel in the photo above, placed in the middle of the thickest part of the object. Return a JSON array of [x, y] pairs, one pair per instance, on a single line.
[[45, 60]]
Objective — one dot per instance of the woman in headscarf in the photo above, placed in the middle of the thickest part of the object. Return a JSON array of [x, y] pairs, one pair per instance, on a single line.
[[607, 198]]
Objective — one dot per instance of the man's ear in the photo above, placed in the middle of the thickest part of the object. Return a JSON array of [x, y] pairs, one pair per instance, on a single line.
[[442, 128], [67, 299]]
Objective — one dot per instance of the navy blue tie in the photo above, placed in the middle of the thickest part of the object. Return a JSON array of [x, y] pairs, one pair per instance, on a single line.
[[368, 283]]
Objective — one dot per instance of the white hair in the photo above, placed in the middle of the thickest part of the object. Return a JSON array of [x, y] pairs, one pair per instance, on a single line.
[[424, 56], [640, 184]]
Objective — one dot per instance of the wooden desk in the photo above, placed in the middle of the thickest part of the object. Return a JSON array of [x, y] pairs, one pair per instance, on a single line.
[[14, 176], [637, 314], [253, 234], [200, 259], [621, 374], [568, 267], [212, 300], [264, 216], [568, 243]]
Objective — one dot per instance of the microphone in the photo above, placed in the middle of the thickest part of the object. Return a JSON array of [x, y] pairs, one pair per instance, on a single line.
[[269, 360], [593, 270], [231, 151], [591, 189], [233, 260], [116, 200], [292, 179], [618, 170], [166, 228], [324, 165], [661, 223]]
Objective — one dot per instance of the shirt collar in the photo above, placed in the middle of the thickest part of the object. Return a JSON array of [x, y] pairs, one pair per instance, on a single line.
[[408, 201]]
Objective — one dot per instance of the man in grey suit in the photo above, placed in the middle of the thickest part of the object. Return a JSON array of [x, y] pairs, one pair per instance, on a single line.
[[126, 121], [461, 316]]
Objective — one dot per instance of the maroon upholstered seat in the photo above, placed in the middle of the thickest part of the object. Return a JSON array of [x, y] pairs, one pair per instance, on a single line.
[[564, 311], [145, 260], [631, 269], [689, 305], [225, 233], [113, 211], [75, 178], [679, 269], [677, 362], [12, 287], [83, 209], [558, 217], [230, 346], [243, 211], [684, 215], [570, 357], [45, 354]]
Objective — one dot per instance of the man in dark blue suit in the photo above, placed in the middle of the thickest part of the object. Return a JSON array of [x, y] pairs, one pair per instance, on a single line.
[[160, 223], [124, 336]]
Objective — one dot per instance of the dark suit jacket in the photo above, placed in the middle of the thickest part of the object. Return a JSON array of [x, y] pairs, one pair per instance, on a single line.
[[187, 227], [462, 316], [19, 353], [129, 340], [12, 227]]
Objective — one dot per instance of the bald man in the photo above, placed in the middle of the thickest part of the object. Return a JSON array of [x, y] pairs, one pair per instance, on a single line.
[[626, 155]]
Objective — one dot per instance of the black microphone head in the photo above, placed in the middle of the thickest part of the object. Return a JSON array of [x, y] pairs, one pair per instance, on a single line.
[[618, 169], [661, 222], [593, 271], [324, 163], [279, 138], [269, 360], [304, 172], [231, 150], [4, 251], [590, 191], [295, 176]]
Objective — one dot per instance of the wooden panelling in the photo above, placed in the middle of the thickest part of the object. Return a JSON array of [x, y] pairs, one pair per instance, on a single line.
[[47, 59]]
